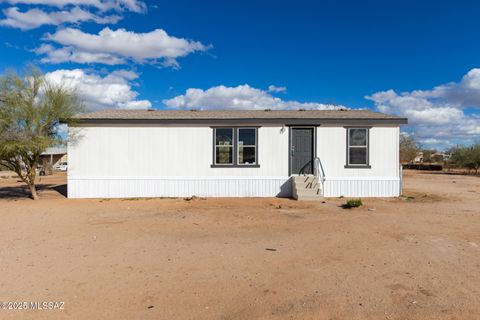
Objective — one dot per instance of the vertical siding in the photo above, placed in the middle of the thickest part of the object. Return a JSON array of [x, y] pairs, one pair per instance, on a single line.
[[381, 180], [167, 151], [170, 161], [179, 187]]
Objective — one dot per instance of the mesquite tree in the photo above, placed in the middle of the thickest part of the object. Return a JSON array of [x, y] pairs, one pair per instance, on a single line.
[[31, 111]]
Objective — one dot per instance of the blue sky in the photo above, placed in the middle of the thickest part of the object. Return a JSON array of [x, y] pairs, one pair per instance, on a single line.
[[413, 58]]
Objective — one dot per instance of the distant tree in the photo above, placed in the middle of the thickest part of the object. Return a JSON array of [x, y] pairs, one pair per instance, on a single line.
[[467, 157], [437, 158], [31, 109], [409, 148], [428, 155]]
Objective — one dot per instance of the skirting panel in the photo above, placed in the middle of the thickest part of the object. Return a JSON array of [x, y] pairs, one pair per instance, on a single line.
[[178, 187], [362, 187]]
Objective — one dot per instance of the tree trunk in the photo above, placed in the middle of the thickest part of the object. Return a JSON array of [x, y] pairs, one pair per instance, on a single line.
[[33, 191]]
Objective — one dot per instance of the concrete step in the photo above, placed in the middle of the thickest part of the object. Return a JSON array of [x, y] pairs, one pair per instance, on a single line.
[[308, 191], [306, 182], [306, 188], [309, 198], [307, 185], [304, 178]]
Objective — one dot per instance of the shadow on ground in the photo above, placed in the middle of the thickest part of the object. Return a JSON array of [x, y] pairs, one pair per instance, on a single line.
[[21, 192]]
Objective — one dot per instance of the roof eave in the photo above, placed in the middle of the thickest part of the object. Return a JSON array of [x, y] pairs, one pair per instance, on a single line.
[[282, 121]]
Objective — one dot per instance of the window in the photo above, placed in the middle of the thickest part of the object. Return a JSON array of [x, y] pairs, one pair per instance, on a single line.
[[236, 147], [224, 146], [357, 147], [246, 146]]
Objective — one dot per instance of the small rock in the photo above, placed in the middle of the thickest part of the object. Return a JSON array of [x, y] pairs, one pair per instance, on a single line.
[[149, 307]]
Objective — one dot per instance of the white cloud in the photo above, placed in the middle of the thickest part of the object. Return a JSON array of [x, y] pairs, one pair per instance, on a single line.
[[35, 18], [240, 97], [438, 114], [118, 46], [59, 55], [273, 88], [103, 5], [111, 91]]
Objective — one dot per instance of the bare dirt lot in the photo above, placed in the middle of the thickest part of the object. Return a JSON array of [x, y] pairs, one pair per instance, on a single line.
[[416, 257]]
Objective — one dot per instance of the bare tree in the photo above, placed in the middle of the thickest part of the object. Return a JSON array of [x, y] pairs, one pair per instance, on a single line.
[[31, 110], [409, 148]]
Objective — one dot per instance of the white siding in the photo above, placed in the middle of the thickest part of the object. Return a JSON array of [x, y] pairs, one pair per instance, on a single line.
[[381, 180], [172, 161], [167, 161]]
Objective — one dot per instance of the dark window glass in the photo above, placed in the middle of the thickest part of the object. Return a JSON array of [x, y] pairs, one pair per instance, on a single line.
[[242, 141], [358, 156], [358, 137], [246, 145], [246, 137], [224, 155], [224, 136], [246, 155], [224, 146]]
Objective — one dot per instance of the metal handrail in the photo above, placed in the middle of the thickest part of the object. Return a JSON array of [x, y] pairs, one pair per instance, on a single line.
[[318, 171]]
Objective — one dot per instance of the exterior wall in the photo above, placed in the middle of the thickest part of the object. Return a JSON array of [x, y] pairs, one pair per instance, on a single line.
[[169, 161], [381, 180], [172, 161]]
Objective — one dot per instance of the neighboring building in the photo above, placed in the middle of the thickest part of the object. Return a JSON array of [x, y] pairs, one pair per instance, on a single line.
[[418, 157], [441, 157], [53, 156], [431, 157], [146, 153]]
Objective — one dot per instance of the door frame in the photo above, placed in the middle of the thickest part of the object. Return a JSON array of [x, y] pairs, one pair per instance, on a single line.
[[314, 142]]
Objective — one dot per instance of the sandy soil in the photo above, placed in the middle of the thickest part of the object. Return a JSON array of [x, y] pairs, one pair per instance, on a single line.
[[416, 257]]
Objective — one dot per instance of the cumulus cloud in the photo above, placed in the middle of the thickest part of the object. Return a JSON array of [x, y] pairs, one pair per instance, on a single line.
[[103, 5], [117, 47], [58, 55], [67, 12], [35, 18], [111, 91], [273, 88], [240, 97], [438, 114]]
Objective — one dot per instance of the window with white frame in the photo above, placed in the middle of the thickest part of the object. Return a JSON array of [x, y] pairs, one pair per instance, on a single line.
[[357, 147], [235, 146]]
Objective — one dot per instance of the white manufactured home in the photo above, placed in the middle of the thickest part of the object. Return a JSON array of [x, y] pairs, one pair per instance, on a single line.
[[300, 153]]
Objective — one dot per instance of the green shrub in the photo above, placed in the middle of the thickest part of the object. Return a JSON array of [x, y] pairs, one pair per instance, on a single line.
[[352, 203]]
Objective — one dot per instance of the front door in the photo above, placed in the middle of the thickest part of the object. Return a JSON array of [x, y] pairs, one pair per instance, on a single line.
[[301, 151]]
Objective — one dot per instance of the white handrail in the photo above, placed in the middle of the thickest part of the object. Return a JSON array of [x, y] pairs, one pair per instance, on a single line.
[[318, 171]]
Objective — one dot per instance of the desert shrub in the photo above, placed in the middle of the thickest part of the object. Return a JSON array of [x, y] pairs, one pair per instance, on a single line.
[[467, 157], [352, 203]]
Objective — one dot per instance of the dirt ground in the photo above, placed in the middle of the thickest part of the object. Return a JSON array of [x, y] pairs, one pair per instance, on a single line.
[[415, 257]]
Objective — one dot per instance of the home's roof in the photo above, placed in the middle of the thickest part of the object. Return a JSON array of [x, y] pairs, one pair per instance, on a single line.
[[239, 116]]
